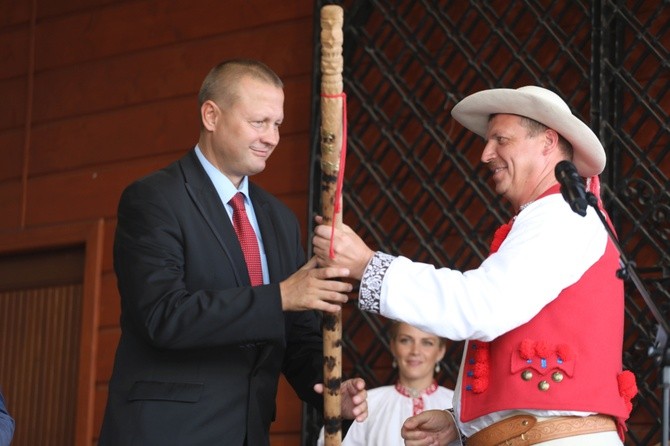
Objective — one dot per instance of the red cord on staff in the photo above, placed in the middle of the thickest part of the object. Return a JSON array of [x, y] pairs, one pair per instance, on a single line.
[[340, 174]]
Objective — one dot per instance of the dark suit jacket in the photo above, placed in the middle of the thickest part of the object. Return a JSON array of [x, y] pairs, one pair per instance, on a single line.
[[201, 350]]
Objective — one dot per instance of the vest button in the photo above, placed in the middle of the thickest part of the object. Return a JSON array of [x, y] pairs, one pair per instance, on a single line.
[[527, 375], [557, 377], [543, 386]]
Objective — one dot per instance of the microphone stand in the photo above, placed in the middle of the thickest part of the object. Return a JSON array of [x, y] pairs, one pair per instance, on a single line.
[[659, 350]]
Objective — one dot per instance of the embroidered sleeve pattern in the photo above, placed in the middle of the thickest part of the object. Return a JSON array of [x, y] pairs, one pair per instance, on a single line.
[[371, 282]]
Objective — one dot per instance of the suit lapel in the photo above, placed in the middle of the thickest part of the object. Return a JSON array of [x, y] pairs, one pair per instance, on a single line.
[[204, 196], [273, 254], [268, 233]]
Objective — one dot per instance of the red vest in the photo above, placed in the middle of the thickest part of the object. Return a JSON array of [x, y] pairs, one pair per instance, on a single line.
[[568, 357]]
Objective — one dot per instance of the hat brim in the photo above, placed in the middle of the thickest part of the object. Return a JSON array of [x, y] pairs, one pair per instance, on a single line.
[[541, 105]]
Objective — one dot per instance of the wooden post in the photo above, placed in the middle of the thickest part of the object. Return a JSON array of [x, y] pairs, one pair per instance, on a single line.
[[332, 136]]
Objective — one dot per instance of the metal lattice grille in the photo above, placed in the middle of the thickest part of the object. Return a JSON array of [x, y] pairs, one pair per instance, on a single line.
[[414, 184]]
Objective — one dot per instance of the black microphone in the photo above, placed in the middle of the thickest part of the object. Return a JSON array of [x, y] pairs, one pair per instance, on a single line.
[[572, 186]]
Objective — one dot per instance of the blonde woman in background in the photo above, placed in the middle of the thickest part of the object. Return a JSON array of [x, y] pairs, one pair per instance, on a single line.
[[416, 355]]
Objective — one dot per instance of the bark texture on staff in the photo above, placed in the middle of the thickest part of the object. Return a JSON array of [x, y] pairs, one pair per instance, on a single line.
[[332, 104]]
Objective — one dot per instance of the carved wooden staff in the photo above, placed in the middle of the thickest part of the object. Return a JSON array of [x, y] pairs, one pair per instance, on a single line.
[[333, 145]]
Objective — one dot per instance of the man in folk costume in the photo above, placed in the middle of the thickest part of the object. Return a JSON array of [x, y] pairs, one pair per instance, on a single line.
[[543, 314]]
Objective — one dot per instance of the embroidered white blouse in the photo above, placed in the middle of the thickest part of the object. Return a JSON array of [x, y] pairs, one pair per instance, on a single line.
[[387, 411]]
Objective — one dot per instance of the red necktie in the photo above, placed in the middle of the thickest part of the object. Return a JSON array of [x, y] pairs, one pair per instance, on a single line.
[[247, 237]]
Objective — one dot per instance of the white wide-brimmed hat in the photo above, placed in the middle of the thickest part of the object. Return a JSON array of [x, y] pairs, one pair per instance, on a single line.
[[543, 106]]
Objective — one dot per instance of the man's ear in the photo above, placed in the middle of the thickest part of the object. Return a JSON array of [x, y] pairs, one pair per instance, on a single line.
[[209, 114], [550, 141]]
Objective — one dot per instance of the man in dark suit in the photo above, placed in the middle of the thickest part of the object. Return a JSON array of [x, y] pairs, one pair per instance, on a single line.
[[201, 348]]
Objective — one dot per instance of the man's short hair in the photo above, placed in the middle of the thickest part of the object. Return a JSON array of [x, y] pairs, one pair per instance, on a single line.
[[534, 128], [220, 84]]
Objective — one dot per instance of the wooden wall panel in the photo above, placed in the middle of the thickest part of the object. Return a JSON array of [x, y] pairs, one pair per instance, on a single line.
[[13, 92], [13, 12], [114, 85], [58, 243], [282, 439], [11, 154], [13, 54], [110, 307], [40, 340], [289, 409], [108, 242], [10, 205], [46, 8], [107, 340], [101, 33], [145, 130], [164, 72], [99, 409], [84, 194]]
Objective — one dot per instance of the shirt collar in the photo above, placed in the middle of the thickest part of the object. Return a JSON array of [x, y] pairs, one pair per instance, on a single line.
[[224, 187]]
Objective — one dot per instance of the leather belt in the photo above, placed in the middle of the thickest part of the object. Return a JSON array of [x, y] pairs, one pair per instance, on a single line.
[[523, 430]]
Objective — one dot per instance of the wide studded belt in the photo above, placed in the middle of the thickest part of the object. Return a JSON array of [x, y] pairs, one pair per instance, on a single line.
[[523, 430]]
